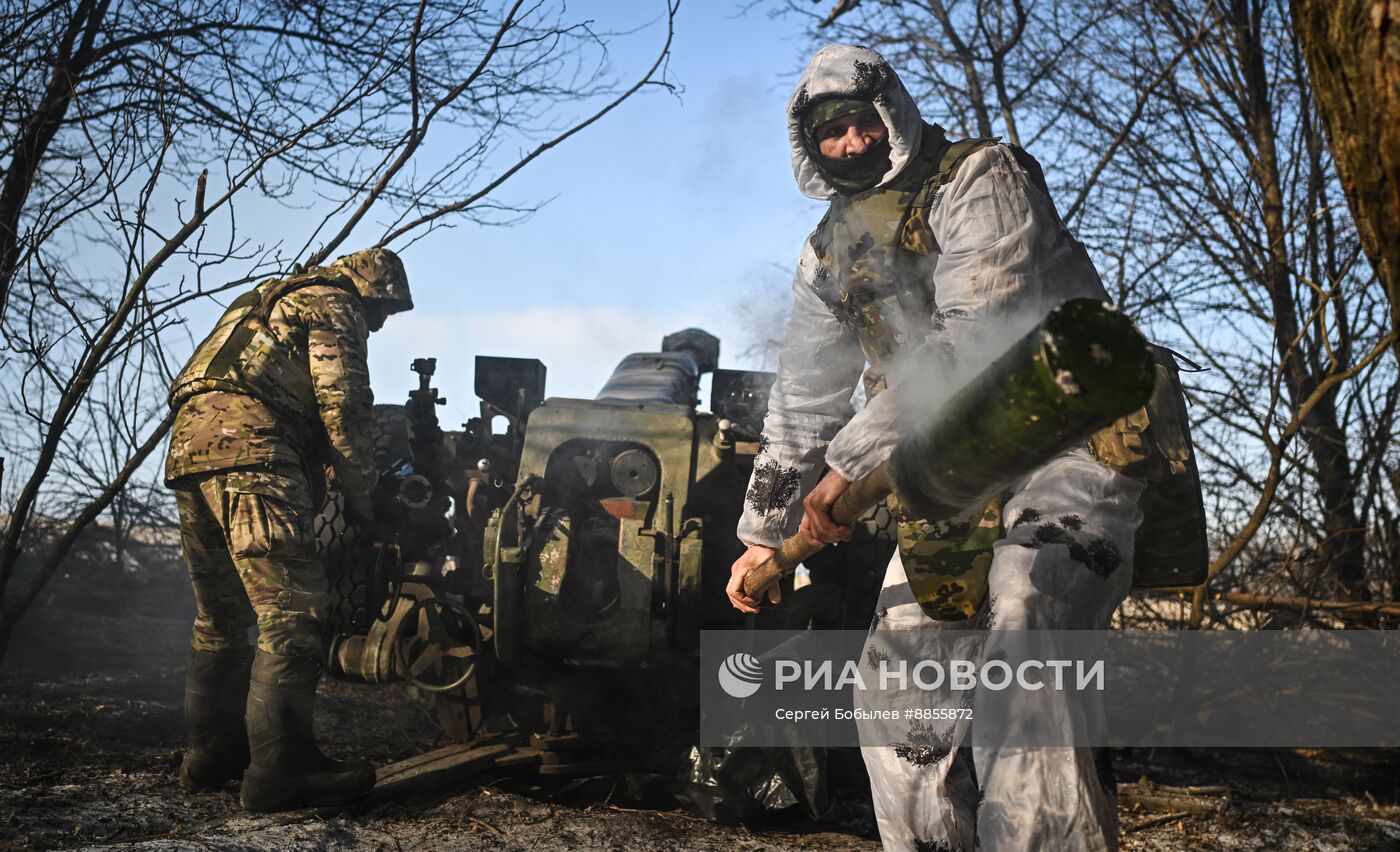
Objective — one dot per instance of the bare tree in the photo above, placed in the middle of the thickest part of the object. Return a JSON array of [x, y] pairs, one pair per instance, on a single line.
[[112, 226], [1234, 165]]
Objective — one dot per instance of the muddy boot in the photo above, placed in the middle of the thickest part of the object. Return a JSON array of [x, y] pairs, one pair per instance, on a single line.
[[216, 691], [288, 770]]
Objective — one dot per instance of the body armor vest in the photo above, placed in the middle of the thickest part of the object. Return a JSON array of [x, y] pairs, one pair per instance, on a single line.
[[877, 256], [242, 355], [878, 253]]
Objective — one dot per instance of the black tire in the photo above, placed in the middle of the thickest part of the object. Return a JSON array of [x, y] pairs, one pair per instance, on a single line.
[[879, 523], [388, 429]]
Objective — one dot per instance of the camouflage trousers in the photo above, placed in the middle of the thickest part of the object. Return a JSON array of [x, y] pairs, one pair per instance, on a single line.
[[252, 559], [1065, 562]]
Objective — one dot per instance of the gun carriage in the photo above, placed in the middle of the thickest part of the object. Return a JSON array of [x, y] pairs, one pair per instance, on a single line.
[[541, 576]]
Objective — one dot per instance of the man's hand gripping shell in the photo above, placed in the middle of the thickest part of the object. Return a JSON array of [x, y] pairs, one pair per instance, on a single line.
[[817, 527]]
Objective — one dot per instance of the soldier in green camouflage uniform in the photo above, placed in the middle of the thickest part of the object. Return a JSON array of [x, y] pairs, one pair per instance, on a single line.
[[273, 402]]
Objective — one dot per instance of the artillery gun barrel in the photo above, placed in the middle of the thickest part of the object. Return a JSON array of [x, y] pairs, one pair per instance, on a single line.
[[1084, 366]]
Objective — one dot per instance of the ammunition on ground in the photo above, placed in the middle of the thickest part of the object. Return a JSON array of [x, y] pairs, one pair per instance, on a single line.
[[1081, 368]]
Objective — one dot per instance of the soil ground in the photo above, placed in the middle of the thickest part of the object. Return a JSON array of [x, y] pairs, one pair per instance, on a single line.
[[91, 732]]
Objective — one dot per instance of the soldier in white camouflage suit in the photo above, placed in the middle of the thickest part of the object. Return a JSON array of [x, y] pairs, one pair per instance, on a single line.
[[273, 401], [943, 249]]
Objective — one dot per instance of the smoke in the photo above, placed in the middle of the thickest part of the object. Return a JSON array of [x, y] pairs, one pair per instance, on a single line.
[[960, 348], [108, 610], [970, 330], [922, 382], [762, 311]]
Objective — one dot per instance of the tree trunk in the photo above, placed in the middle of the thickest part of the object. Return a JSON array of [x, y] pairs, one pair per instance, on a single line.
[[1343, 548], [1353, 52], [7, 630]]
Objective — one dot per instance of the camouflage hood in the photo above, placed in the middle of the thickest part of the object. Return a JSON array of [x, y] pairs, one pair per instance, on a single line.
[[378, 276], [849, 71]]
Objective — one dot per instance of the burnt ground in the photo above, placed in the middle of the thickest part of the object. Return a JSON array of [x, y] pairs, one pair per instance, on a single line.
[[90, 733]]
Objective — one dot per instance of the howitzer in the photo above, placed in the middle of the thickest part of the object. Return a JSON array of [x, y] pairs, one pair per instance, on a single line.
[[541, 577], [1081, 368]]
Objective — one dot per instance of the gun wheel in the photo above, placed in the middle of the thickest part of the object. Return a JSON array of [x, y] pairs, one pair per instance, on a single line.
[[445, 639]]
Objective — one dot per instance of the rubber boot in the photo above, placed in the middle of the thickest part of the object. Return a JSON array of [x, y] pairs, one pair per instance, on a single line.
[[288, 770], [216, 691]]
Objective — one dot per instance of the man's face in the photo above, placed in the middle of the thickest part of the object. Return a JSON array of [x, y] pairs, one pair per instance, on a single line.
[[375, 316], [849, 135]]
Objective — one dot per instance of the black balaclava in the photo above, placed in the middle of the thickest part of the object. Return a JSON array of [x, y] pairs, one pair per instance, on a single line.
[[849, 175]]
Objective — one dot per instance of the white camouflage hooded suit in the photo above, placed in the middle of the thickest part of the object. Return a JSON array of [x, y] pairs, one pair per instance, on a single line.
[[1004, 260]]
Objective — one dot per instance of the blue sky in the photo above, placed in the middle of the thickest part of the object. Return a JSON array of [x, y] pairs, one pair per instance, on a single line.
[[674, 211]]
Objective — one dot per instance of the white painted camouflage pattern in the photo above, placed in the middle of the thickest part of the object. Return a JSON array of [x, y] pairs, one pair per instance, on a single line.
[[1006, 260], [1066, 559]]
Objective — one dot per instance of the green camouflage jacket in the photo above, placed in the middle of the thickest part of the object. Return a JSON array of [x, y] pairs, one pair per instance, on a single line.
[[295, 393]]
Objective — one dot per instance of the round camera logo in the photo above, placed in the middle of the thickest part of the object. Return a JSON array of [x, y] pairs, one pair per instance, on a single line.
[[740, 675]]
